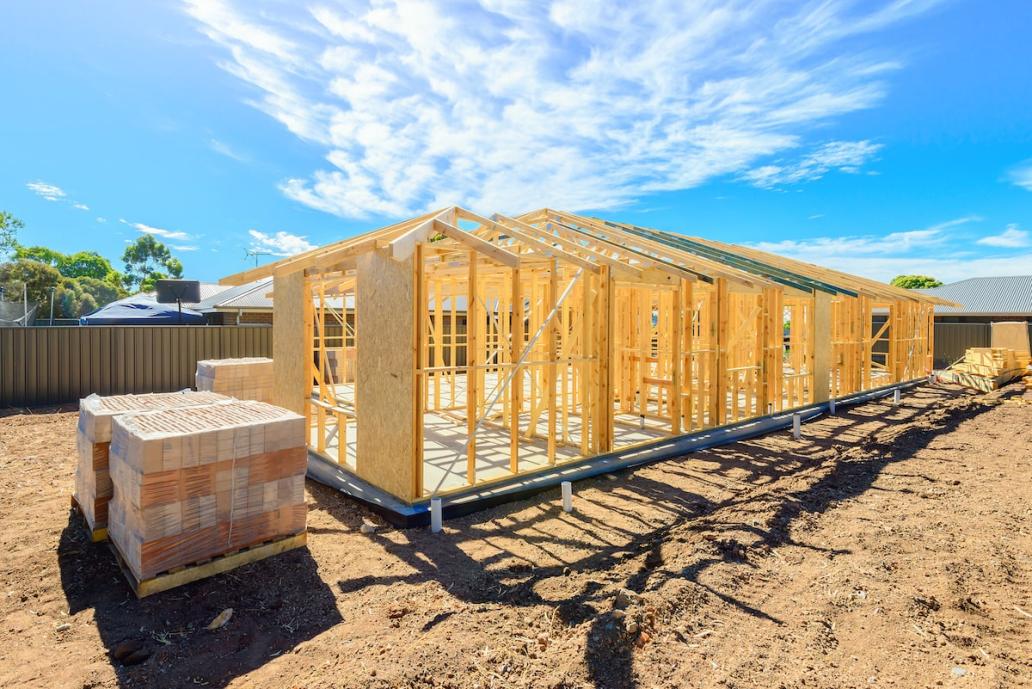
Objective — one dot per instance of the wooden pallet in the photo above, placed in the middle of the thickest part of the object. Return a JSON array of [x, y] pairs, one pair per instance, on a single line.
[[95, 535], [207, 568]]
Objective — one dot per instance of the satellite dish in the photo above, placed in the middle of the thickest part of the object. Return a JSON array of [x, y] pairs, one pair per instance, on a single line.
[[178, 291]]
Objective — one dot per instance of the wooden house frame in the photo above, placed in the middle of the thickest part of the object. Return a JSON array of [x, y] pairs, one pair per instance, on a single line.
[[452, 350]]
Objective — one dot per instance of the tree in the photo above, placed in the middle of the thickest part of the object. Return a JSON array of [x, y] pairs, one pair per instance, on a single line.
[[37, 277], [79, 264], [79, 296], [146, 261], [9, 226], [915, 281]]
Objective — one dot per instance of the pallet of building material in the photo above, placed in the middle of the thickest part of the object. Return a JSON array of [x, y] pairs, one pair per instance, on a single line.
[[247, 378], [975, 381], [93, 488], [200, 484], [987, 368]]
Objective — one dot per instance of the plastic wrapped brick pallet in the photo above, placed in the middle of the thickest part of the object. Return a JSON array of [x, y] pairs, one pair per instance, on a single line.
[[93, 436], [194, 483], [246, 379]]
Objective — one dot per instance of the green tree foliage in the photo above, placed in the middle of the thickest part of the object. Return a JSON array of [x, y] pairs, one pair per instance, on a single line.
[[21, 273], [915, 281], [79, 296], [146, 261], [77, 265], [82, 281], [9, 226], [73, 296]]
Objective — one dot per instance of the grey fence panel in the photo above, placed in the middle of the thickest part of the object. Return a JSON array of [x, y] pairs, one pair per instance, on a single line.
[[51, 365]]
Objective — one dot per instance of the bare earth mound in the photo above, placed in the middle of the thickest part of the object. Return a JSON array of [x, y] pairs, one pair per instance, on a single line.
[[889, 547]]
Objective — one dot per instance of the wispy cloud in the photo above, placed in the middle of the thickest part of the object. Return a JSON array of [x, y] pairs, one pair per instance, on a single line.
[[157, 231], [1010, 238], [817, 249], [183, 247], [279, 244], [224, 149], [843, 156], [941, 250], [81, 206], [1021, 175], [573, 103], [50, 192]]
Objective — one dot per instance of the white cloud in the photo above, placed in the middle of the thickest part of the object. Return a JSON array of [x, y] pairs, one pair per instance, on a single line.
[[279, 244], [81, 206], [844, 156], [1011, 238], [101, 220], [936, 250], [818, 249], [1021, 175], [578, 104], [157, 231], [183, 247], [222, 148], [50, 192]]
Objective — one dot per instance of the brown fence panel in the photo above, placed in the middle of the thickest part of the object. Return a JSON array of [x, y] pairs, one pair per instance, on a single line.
[[953, 339], [62, 364]]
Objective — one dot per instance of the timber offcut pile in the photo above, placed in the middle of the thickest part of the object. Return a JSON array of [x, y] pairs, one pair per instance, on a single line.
[[197, 483], [248, 378], [987, 368], [93, 438]]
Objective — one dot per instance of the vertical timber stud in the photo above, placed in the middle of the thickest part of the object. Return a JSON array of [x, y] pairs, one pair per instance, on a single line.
[[290, 348], [822, 346], [723, 315], [419, 317], [604, 383], [550, 367], [472, 360], [516, 382], [687, 330], [677, 361]]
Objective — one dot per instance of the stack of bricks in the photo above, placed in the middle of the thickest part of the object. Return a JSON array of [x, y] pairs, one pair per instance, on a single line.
[[92, 480], [245, 379], [195, 483]]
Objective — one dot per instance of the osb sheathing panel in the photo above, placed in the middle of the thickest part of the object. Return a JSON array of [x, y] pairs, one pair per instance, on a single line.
[[1011, 335], [289, 348], [385, 371]]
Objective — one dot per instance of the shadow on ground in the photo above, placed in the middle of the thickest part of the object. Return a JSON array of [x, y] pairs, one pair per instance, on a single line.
[[836, 460], [162, 640]]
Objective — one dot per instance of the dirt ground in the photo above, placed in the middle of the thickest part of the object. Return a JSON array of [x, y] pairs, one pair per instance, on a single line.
[[890, 546]]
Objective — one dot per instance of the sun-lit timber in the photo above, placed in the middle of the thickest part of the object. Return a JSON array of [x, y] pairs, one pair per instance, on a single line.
[[453, 350]]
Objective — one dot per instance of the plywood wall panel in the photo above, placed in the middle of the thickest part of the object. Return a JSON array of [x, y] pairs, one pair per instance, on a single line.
[[385, 372]]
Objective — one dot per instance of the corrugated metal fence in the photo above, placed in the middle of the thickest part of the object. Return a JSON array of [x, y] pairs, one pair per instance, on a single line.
[[952, 339], [63, 364]]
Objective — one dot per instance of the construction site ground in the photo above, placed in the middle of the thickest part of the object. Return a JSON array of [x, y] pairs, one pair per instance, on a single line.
[[890, 546]]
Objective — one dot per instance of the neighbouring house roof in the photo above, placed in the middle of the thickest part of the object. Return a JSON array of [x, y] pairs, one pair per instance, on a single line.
[[990, 296], [251, 296]]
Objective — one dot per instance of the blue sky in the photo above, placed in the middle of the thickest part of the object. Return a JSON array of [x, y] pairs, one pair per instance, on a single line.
[[877, 137]]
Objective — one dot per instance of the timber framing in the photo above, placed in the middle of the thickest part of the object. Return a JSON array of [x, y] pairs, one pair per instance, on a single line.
[[454, 351]]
